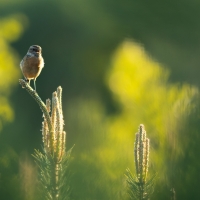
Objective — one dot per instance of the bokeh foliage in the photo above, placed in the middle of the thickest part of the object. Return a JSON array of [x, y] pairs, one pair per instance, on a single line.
[[105, 102], [11, 29], [141, 87]]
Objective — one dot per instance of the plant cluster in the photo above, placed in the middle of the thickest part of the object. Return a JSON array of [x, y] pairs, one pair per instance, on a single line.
[[54, 160]]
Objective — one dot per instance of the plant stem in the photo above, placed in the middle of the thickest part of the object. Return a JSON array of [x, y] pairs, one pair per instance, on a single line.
[[55, 181]]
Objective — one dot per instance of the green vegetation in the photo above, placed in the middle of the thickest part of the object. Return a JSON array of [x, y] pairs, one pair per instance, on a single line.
[[120, 64], [139, 187], [53, 162]]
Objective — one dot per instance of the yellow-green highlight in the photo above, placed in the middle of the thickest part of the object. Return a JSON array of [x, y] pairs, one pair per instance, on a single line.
[[140, 85], [11, 29]]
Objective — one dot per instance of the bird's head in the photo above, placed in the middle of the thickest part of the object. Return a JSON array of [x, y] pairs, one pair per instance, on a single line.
[[35, 49]]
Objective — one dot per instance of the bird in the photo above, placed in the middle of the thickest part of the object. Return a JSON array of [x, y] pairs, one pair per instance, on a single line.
[[32, 64]]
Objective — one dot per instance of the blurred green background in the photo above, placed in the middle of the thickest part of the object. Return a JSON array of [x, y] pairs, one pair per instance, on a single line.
[[120, 63]]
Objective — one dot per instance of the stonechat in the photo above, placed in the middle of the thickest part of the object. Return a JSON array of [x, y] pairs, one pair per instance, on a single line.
[[32, 64]]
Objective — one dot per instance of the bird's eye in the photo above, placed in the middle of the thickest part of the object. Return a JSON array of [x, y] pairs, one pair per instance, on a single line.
[[36, 50]]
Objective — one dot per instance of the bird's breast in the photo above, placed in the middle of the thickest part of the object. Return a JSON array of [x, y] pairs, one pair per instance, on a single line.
[[32, 66]]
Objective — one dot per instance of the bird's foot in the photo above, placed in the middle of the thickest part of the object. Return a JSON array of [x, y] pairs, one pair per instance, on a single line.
[[26, 80]]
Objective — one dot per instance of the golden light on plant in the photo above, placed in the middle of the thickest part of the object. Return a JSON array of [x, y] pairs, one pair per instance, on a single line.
[[139, 186], [53, 161]]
